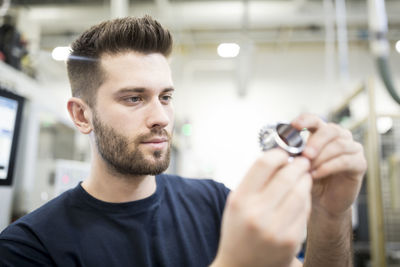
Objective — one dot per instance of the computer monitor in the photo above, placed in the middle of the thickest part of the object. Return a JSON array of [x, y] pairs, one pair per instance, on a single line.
[[10, 123]]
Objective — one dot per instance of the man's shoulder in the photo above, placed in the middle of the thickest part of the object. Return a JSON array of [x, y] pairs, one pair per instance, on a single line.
[[25, 240], [184, 183], [196, 190], [41, 218]]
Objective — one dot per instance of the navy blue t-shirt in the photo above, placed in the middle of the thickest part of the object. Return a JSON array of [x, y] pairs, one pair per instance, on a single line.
[[179, 225]]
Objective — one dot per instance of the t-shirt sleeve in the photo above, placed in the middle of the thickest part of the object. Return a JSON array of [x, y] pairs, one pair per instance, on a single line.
[[20, 247], [223, 190], [221, 193]]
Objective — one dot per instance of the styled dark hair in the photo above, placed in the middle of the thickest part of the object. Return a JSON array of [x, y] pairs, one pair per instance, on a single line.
[[144, 35]]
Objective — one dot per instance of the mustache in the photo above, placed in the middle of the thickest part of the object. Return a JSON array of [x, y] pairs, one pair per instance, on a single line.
[[154, 133]]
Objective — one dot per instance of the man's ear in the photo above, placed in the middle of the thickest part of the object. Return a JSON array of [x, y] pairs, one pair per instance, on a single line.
[[80, 114]]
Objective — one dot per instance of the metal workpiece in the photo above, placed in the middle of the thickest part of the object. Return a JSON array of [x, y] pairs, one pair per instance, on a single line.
[[284, 136]]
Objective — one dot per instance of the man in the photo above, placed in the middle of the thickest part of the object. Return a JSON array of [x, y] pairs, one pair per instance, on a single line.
[[128, 214]]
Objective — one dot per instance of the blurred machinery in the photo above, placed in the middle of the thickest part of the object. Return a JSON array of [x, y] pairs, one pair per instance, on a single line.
[[68, 174], [377, 235], [46, 137], [12, 46], [59, 165], [11, 106]]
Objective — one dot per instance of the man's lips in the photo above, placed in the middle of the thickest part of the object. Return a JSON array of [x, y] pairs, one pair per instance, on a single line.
[[156, 143], [156, 140]]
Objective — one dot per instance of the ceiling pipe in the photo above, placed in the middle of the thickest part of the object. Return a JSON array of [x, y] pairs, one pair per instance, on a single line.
[[119, 8], [378, 28], [329, 41], [245, 56], [343, 46]]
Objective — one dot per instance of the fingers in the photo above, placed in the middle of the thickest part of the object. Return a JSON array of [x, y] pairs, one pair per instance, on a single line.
[[296, 204], [322, 133], [336, 148], [267, 198], [298, 226], [285, 180], [261, 171], [309, 121], [298, 230], [330, 148], [321, 137], [347, 163], [290, 216]]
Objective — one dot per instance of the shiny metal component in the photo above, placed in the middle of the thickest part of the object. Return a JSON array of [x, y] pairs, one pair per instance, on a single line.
[[282, 135]]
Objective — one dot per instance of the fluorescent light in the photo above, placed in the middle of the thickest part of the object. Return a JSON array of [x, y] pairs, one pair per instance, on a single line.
[[398, 46], [61, 53], [228, 50]]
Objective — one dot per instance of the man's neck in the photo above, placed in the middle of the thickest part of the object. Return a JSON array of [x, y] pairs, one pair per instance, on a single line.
[[110, 187]]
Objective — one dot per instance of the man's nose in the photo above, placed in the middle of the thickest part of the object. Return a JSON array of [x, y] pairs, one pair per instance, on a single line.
[[157, 115]]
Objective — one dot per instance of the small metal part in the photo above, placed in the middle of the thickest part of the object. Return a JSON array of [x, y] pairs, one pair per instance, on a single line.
[[282, 135]]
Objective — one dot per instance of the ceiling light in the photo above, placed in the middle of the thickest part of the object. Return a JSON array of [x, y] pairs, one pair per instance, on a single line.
[[384, 124], [228, 50], [398, 46], [61, 53]]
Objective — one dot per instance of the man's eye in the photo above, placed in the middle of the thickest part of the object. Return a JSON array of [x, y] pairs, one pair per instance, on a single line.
[[166, 98], [133, 99]]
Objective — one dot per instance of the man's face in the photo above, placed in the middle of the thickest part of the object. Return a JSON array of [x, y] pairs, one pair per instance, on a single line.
[[133, 115]]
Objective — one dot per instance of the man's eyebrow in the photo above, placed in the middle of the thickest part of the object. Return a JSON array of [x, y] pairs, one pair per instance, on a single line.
[[169, 89], [130, 90], [140, 90]]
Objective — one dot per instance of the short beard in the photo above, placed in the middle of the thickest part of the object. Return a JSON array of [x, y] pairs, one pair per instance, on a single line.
[[114, 149]]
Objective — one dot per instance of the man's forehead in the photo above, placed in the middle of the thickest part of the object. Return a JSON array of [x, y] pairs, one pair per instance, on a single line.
[[135, 64], [135, 70]]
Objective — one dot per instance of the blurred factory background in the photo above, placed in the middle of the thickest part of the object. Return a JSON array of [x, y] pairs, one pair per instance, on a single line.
[[237, 65]]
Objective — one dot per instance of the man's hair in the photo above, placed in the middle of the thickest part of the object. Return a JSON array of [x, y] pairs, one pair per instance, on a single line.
[[144, 35]]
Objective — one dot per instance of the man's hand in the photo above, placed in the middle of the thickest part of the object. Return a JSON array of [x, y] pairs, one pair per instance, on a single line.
[[265, 218], [337, 166]]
